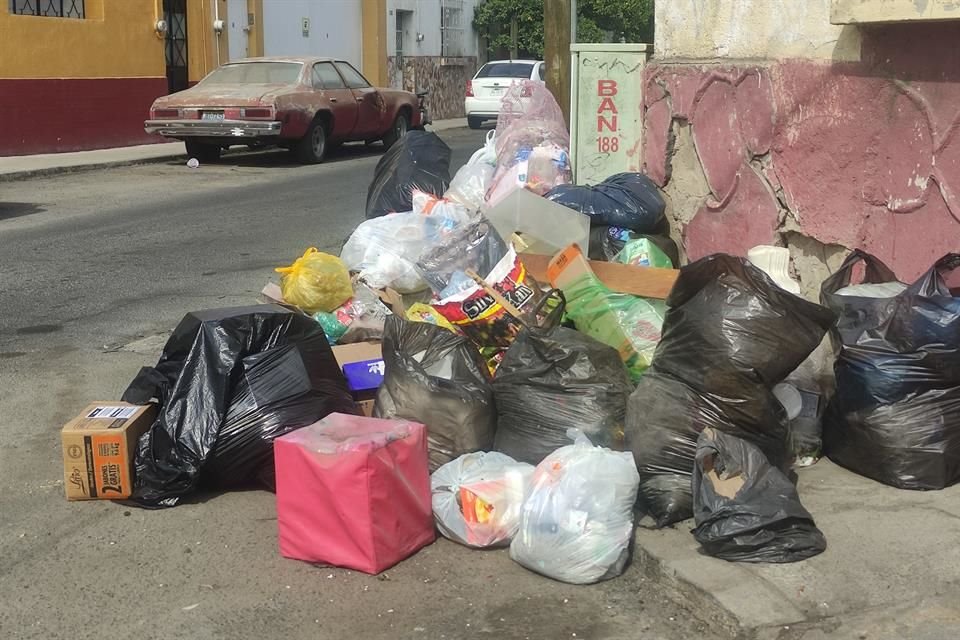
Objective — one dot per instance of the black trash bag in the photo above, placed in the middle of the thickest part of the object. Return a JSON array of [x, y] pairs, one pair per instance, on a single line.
[[419, 160], [274, 397], [730, 335], [607, 242], [628, 200], [210, 363], [746, 509], [439, 379], [895, 416], [665, 440], [553, 380]]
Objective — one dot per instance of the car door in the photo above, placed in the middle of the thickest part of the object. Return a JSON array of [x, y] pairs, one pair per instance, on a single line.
[[342, 103], [372, 116]]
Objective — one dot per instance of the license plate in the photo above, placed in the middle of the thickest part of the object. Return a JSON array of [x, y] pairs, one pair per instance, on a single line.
[[207, 115], [497, 90]]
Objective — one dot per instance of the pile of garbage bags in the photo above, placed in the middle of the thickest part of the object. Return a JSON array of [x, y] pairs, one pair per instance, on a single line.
[[546, 416], [723, 349]]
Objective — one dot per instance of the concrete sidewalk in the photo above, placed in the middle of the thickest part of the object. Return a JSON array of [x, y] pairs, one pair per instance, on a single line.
[[20, 167], [888, 551]]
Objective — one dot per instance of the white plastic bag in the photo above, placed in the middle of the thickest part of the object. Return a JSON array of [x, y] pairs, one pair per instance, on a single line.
[[477, 498], [469, 186], [577, 521], [384, 250]]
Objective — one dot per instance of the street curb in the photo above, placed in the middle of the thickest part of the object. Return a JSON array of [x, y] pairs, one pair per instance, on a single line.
[[27, 174], [13, 176], [721, 594]]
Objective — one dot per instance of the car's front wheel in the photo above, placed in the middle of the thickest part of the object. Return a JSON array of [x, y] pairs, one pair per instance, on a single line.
[[313, 146], [202, 151], [397, 131]]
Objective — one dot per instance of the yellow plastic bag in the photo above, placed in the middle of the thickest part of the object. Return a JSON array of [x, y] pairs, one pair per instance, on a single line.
[[316, 282]]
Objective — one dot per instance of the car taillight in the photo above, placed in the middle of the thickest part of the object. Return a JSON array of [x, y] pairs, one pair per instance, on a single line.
[[166, 113], [469, 88], [256, 113]]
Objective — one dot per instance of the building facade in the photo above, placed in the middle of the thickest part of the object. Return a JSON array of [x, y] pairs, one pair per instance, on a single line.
[[297, 27], [81, 74], [820, 125], [431, 45]]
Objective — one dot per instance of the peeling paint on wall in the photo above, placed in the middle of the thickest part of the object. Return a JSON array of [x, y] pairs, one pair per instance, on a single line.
[[825, 154]]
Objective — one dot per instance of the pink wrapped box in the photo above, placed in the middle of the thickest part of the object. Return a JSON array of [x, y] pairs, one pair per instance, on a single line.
[[354, 492]]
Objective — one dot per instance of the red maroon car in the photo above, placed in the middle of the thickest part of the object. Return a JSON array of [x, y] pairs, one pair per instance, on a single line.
[[305, 104]]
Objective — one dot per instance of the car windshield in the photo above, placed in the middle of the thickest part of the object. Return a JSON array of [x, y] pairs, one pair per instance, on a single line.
[[505, 70], [256, 73]]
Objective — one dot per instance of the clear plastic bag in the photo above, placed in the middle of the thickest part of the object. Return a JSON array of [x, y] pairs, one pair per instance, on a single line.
[[316, 282], [385, 250], [360, 319], [470, 184], [476, 246], [477, 498], [577, 522], [532, 143]]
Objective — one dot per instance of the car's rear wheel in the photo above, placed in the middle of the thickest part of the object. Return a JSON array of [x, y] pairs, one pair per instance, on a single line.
[[313, 146], [202, 151], [473, 122], [399, 129]]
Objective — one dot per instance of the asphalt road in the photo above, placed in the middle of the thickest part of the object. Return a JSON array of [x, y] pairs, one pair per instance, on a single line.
[[97, 267]]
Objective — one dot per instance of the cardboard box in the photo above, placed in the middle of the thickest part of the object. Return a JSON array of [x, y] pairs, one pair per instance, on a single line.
[[570, 264], [362, 365], [98, 450]]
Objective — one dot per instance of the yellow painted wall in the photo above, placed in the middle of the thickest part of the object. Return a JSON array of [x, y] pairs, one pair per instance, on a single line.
[[202, 42], [115, 40], [374, 51]]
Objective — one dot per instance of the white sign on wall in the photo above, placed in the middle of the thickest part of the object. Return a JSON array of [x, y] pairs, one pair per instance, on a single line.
[[606, 114]]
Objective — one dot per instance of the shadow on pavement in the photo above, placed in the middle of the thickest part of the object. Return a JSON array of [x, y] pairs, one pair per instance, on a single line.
[[10, 210], [276, 157]]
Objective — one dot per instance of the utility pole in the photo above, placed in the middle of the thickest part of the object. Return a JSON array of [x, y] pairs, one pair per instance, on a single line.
[[556, 51], [514, 38]]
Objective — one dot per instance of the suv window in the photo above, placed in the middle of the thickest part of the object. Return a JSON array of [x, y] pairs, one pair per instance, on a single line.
[[326, 77], [505, 70], [352, 76]]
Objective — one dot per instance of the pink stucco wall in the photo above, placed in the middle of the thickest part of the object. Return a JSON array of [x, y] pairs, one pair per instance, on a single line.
[[857, 154]]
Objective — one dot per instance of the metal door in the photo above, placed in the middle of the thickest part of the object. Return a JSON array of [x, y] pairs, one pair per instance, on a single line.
[[175, 13]]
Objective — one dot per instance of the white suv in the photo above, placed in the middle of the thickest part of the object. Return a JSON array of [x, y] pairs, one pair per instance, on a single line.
[[493, 79]]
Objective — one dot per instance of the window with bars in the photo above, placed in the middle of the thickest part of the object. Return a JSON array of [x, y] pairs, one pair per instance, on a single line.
[[48, 8], [451, 28]]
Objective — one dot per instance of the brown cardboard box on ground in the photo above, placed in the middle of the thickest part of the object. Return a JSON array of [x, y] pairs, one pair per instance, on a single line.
[[570, 264], [98, 449]]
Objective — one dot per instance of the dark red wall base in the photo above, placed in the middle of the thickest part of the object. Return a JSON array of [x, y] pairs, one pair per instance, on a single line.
[[45, 115]]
